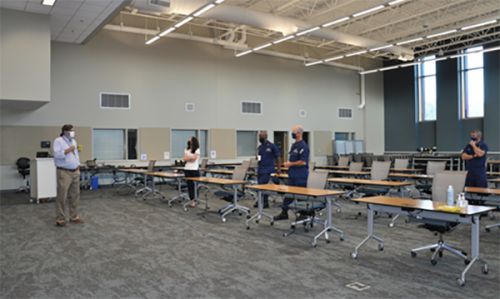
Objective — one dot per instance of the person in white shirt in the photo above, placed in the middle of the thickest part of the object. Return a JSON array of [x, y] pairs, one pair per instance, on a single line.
[[192, 166], [67, 162]]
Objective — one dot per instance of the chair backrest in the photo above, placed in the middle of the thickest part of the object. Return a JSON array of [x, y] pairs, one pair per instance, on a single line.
[[245, 164], [204, 163], [317, 179], [240, 172], [356, 166], [253, 163], [343, 161], [151, 165], [380, 170], [435, 167], [443, 179], [401, 163], [23, 163]]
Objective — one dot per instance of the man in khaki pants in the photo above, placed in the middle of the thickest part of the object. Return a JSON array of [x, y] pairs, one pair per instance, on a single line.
[[68, 175]]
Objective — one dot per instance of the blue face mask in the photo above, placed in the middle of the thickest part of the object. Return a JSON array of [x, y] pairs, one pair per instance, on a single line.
[[473, 139], [294, 136]]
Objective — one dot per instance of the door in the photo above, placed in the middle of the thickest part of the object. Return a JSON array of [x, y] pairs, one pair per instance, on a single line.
[[281, 141]]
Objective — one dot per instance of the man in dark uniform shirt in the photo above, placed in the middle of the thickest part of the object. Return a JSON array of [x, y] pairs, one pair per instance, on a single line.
[[268, 154], [298, 167], [474, 154]]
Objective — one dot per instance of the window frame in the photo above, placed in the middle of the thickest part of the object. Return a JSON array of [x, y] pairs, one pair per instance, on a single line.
[[420, 86], [463, 85]]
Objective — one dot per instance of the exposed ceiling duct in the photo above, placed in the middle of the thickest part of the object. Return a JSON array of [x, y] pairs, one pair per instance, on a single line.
[[245, 16]]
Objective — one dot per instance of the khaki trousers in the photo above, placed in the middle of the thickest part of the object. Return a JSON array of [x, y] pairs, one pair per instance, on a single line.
[[68, 187]]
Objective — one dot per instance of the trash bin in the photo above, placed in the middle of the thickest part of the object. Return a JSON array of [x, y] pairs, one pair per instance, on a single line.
[[94, 183]]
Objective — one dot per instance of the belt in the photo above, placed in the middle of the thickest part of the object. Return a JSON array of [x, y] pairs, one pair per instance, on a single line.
[[70, 170]]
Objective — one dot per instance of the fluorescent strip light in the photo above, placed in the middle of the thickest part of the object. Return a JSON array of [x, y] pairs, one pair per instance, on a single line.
[[335, 22], [388, 68], [478, 25], [356, 53], [167, 31], [187, 19], [491, 49], [218, 1], [308, 31], [334, 58], [364, 12], [48, 2], [284, 39], [381, 48], [314, 62], [396, 2], [458, 55], [263, 46], [410, 41], [440, 59], [441, 33], [408, 64], [369, 72], [204, 9], [152, 40], [244, 53]]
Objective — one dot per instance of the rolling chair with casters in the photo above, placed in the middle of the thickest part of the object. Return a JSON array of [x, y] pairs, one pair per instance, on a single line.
[[354, 166], [307, 211], [343, 161], [440, 185], [23, 168], [432, 168], [144, 182]]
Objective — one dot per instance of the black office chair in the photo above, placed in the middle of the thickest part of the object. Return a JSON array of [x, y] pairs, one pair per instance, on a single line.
[[23, 168], [440, 185]]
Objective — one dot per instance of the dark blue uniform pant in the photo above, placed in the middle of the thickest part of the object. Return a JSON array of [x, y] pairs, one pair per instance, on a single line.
[[298, 182], [476, 180], [263, 178]]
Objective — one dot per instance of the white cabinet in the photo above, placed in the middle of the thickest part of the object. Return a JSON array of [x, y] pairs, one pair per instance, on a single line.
[[43, 178]]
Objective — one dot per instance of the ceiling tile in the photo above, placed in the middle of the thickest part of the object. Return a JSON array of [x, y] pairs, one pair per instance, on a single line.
[[13, 4]]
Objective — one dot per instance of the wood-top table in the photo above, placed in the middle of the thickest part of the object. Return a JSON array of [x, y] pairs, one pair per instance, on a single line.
[[334, 167], [483, 191], [412, 176], [315, 194], [347, 173], [404, 170], [177, 176], [425, 209], [380, 183], [493, 174], [492, 163], [234, 206]]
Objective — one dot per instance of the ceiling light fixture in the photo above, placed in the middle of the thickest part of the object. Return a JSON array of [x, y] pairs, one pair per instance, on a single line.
[[167, 31], [368, 72], [364, 12], [356, 53], [204, 9], [441, 33], [335, 22], [263, 46], [395, 2], [152, 40], [478, 25], [184, 21], [381, 48], [314, 62], [244, 53], [284, 39], [334, 58], [48, 2], [410, 41], [307, 31]]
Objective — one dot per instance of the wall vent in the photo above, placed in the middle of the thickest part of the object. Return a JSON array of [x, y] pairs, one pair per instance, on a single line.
[[115, 100], [345, 113], [248, 107], [189, 107]]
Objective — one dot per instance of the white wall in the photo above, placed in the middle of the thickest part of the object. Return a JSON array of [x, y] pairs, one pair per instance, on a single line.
[[24, 57]]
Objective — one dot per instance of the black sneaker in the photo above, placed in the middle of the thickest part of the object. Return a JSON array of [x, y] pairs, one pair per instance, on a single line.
[[281, 216]]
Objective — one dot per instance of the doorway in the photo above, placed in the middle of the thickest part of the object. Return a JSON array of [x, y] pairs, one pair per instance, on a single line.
[[281, 141]]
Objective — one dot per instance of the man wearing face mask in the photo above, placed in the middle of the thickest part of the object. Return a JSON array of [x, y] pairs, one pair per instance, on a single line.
[[474, 154], [268, 154], [68, 175], [298, 167]]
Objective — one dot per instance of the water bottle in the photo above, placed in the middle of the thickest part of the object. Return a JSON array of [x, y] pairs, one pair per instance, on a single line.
[[451, 196]]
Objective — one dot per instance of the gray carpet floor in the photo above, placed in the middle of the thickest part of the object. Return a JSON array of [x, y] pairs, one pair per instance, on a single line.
[[129, 248]]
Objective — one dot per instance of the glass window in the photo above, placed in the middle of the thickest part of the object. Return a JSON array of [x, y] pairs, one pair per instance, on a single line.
[[246, 143], [341, 136], [203, 138], [179, 142], [132, 144], [108, 144], [472, 83], [426, 82]]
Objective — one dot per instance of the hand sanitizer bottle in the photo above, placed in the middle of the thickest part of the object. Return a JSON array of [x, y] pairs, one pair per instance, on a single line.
[[451, 196]]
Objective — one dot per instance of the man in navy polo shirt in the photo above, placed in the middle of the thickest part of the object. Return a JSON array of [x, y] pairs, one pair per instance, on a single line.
[[298, 167], [474, 154], [269, 154]]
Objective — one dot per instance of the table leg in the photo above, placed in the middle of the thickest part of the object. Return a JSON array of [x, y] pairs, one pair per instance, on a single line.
[[180, 195], [328, 225], [260, 212], [393, 220], [475, 225], [371, 213], [234, 206]]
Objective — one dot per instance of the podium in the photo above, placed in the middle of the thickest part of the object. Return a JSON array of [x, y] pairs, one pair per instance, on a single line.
[[43, 179]]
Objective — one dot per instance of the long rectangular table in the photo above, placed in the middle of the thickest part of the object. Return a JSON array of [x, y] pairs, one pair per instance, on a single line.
[[315, 194], [424, 209], [493, 198], [177, 176], [234, 206]]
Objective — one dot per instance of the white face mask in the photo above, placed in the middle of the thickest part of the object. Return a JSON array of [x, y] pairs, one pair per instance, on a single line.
[[72, 134]]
